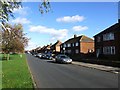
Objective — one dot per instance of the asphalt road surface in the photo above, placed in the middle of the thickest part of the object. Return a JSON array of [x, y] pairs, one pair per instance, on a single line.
[[48, 74]]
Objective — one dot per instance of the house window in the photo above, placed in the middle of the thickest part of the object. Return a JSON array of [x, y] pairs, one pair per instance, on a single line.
[[69, 45], [73, 44], [108, 36], [111, 36], [65, 51], [76, 44], [76, 51], [69, 51], [64, 45], [98, 52], [98, 39], [109, 50], [112, 50], [61, 46]]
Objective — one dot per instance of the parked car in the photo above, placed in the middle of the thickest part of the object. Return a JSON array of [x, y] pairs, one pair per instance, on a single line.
[[61, 58], [46, 56], [39, 55], [43, 56], [34, 54]]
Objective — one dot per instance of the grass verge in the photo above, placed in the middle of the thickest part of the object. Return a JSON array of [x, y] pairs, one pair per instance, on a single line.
[[0, 72], [15, 73]]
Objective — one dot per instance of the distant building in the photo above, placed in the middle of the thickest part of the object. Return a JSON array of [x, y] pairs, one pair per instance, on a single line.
[[78, 46], [107, 43], [45, 49], [55, 48], [38, 49]]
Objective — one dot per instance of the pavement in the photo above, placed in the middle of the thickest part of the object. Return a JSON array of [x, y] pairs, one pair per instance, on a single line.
[[99, 67]]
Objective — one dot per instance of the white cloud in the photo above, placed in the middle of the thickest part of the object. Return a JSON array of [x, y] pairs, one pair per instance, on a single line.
[[69, 19], [21, 20], [22, 10], [31, 45], [54, 33], [80, 28]]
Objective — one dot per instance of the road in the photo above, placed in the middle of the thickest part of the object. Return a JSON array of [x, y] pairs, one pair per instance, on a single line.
[[48, 74]]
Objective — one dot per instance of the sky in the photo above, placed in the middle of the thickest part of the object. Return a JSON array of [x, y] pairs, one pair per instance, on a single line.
[[64, 20]]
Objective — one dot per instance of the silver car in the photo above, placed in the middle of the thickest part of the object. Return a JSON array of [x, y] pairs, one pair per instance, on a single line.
[[61, 58], [39, 55]]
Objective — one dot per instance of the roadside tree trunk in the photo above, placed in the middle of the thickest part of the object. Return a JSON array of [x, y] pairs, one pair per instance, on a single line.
[[8, 56]]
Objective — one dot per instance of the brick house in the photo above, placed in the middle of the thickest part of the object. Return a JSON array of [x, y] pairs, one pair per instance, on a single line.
[[45, 49], [38, 49], [78, 47], [42, 50], [55, 48], [107, 43]]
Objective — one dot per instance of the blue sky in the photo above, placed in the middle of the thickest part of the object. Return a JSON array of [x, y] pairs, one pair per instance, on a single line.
[[64, 20]]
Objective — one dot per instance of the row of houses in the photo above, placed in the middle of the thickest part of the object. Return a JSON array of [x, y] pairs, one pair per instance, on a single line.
[[106, 45]]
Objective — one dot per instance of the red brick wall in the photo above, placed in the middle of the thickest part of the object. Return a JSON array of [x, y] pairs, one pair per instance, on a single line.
[[57, 48], [85, 46]]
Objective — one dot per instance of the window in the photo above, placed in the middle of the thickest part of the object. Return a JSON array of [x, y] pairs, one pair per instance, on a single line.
[[64, 45], [113, 50], [111, 36], [65, 51], [73, 44], [69, 51], [108, 36], [109, 50], [98, 52], [76, 44], [98, 39], [69, 45], [76, 51]]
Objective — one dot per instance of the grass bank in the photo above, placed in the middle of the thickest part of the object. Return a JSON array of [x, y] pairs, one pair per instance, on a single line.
[[0, 72], [15, 73]]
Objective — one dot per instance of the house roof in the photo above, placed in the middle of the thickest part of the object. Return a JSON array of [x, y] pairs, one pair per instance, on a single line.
[[43, 47], [48, 46], [58, 43], [110, 29], [86, 39], [38, 48], [81, 38]]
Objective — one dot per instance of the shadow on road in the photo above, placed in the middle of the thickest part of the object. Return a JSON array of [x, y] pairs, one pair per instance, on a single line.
[[51, 61]]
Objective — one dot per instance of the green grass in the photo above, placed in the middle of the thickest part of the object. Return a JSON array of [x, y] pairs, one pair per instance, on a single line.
[[15, 73], [0, 73]]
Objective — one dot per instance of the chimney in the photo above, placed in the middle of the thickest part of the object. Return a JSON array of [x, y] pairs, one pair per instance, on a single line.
[[50, 44], [118, 20], [75, 35], [58, 40]]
